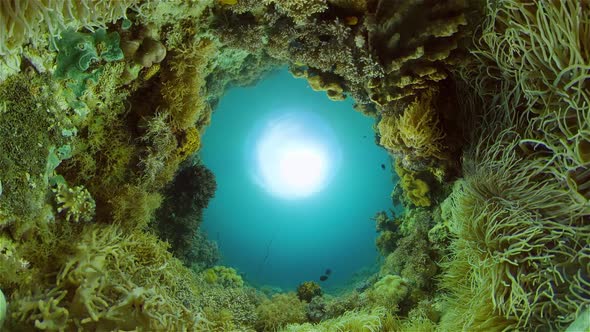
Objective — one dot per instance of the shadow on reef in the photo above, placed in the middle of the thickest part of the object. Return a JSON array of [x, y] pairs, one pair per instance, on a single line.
[[180, 216]]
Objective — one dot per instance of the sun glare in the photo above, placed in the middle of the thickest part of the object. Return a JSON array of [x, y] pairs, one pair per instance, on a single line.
[[293, 161]]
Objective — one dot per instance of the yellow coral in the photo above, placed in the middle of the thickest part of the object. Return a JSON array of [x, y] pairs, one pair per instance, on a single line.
[[416, 190], [190, 143], [319, 82], [389, 291], [225, 276], [416, 132]]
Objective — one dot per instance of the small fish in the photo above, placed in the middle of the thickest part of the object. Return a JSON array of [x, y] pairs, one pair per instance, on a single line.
[[364, 136], [382, 166], [328, 271], [323, 278]]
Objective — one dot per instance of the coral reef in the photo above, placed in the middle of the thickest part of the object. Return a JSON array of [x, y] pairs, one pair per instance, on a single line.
[[308, 290], [102, 107], [280, 310], [224, 276], [76, 202], [179, 218], [27, 20], [99, 287], [415, 133]]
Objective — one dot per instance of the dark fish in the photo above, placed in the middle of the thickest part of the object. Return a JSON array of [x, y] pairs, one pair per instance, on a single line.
[[364, 136], [382, 166], [328, 271], [323, 278]]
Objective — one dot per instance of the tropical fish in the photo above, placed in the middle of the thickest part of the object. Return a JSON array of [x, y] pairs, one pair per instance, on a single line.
[[323, 278], [328, 271], [382, 166]]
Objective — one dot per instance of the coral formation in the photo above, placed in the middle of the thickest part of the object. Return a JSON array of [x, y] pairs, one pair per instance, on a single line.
[[27, 20], [180, 216], [280, 310], [102, 107], [389, 291], [415, 133], [76, 202], [99, 287], [225, 276], [308, 290]]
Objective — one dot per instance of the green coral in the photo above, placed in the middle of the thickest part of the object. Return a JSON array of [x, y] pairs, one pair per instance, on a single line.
[[225, 276], [29, 126], [389, 291], [78, 52], [280, 310]]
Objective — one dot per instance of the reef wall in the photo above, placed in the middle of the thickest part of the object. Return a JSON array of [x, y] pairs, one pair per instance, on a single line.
[[482, 104]]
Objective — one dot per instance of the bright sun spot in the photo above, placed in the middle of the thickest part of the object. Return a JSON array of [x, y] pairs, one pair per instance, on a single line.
[[295, 156], [302, 169]]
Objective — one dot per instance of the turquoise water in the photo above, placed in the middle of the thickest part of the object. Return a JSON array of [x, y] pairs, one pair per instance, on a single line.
[[279, 239]]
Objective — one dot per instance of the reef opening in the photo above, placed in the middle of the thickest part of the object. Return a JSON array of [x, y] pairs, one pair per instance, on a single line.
[[277, 233]]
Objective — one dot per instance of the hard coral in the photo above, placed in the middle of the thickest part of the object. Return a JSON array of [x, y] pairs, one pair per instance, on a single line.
[[415, 43], [321, 82], [225, 276]]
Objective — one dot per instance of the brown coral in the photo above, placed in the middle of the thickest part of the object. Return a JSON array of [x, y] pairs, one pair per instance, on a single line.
[[415, 42], [306, 291]]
